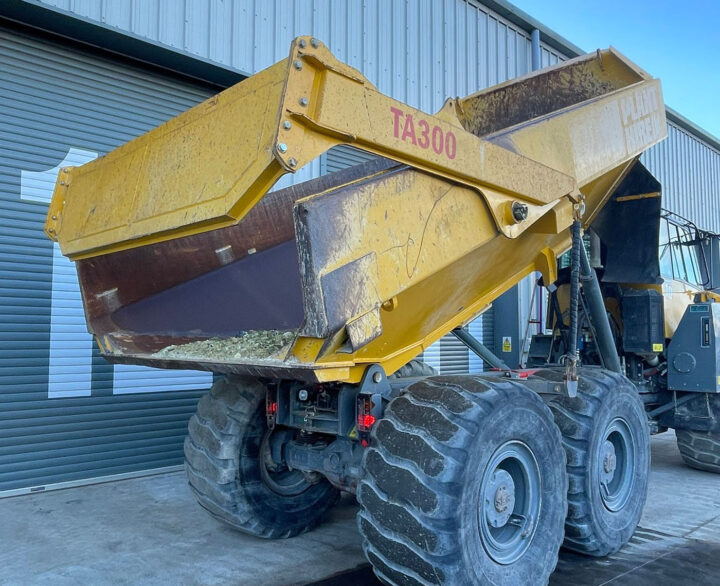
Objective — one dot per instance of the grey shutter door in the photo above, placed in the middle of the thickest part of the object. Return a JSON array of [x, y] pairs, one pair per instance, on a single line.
[[65, 413], [450, 356], [454, 356], [488, 330], [342, 157]]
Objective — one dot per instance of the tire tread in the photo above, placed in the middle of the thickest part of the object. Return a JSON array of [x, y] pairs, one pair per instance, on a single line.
[[408, 536], [216, 451], [700, 449]]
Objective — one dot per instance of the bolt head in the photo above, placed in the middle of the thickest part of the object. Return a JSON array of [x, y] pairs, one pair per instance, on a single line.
[[303, 101], [282, 147], [519, 211], [298, 64], [377, 377], [287, 125], [302, 43], [314, 42], [293, 162], [303, 394]]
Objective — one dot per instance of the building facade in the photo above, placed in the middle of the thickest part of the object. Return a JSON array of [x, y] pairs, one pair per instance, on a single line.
[[81, 77]]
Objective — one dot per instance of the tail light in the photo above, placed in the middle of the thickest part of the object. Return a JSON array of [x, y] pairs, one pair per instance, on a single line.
[[271, 407], [366, 418]]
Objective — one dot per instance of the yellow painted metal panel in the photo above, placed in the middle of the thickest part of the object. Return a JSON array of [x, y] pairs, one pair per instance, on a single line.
[[202, 169]]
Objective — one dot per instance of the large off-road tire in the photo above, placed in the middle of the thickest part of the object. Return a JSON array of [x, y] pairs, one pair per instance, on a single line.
[[700, 449], [228, 474], [464, 484], [607, 442], [414, 368]]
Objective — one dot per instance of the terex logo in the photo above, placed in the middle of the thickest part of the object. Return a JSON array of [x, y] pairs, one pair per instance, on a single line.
[[641, 118], [420, 133]]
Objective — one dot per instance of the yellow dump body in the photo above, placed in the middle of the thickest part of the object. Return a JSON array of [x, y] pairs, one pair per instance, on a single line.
[[178, 242]]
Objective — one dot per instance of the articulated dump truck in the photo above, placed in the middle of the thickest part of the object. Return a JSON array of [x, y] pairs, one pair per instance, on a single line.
[[310, 304]]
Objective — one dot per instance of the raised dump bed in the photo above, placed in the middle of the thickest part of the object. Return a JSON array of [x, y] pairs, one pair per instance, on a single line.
[[186, 261]]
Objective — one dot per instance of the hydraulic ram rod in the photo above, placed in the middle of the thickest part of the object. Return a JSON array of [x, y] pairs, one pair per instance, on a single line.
[[598, 313]]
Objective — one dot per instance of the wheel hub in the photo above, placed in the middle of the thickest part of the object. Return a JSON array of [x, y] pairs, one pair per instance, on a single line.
[[510, 502], [616, 465], [609, 460], [499, 498], [278, 477]]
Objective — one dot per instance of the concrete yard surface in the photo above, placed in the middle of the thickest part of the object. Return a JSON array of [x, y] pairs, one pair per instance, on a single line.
[[150, 531]]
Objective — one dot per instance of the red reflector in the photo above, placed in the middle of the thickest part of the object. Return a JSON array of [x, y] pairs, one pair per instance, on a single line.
[[366, 421], [272, 408]]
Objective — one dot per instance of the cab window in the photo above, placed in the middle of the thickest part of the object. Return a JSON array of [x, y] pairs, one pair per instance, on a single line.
[[680, 253]]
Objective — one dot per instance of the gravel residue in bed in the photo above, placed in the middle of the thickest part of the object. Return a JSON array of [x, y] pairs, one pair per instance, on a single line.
[[251, 345]]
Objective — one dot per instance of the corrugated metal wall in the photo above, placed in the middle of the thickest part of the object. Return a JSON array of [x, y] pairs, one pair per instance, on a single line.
[[689, 171], [417, 51], [65, 413]]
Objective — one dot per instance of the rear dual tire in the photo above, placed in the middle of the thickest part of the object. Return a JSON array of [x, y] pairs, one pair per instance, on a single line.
[[464, 484], [607, 443]]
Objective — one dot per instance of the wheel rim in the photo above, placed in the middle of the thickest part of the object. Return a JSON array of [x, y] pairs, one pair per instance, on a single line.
[[510, 502], [279, 478], [617, 465]]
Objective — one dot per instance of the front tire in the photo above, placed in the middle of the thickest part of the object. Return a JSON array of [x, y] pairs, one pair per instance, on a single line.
[[227, 471], [464, 484], [607, 442]]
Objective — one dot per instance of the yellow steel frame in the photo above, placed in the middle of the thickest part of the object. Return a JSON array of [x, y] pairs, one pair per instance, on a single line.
[[207, 167]]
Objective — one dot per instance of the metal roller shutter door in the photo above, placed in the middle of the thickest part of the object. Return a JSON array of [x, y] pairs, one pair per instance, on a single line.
[[65, 413], [342, 157], [454, 356]]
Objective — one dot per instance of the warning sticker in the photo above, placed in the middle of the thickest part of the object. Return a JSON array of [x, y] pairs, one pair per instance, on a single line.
[[507, 344], [657, 347]]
